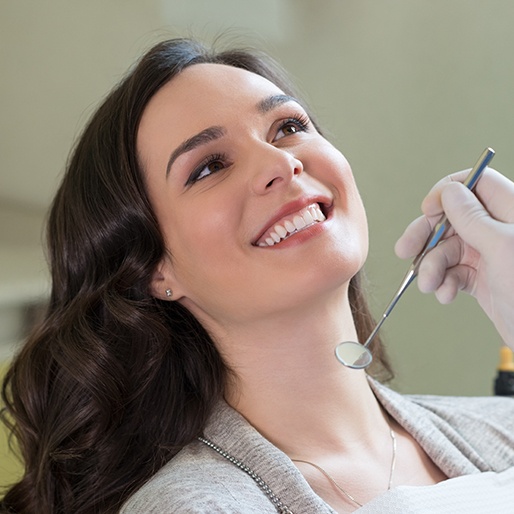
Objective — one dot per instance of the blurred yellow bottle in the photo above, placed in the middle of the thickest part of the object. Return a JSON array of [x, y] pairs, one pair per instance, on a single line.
[[504, 383]]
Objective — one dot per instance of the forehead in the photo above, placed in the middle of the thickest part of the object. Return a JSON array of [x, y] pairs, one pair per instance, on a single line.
[[203, 92], [208, 86]]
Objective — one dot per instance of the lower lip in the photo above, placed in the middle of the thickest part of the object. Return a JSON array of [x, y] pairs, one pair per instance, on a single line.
[[299, 237]]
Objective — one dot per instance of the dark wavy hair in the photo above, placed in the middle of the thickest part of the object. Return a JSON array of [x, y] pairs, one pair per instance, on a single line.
[[114, 382]]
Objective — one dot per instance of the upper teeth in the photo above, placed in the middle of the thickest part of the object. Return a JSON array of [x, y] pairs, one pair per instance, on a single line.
[[302, 219]]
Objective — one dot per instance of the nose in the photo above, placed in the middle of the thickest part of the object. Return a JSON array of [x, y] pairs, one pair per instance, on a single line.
[[273, 167]]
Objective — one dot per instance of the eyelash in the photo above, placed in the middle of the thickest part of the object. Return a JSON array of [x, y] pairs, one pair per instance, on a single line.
[[301, 121], [211, 159]]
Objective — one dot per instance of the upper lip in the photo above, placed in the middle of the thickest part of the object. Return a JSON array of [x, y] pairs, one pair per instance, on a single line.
[[292, 207]]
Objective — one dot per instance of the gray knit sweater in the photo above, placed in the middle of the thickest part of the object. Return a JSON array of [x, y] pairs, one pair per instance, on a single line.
[[465, 437]]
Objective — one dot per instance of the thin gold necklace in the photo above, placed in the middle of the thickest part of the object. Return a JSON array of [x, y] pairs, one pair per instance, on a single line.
[[346, 493]]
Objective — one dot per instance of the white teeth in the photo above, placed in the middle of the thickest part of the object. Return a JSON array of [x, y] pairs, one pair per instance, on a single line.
[[281, 231], [308, 216], [275, 237], [299, 222], [289, 226], [316, 213]]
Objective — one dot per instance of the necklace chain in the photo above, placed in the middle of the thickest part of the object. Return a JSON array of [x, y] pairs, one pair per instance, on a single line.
[[346, 493], [281, 508]]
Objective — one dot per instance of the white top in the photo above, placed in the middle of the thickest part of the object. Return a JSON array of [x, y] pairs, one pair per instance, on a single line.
[[481, 493]]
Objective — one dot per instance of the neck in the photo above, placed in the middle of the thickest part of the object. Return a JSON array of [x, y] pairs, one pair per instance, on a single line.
[[292, 389]]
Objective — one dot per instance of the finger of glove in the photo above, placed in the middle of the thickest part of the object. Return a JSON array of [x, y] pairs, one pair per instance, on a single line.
[[436, 263], [413, 239], [494, 191], [468, 217], [458, 278]]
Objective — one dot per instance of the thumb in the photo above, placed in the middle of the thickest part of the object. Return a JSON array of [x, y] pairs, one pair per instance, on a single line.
[[467, 215]]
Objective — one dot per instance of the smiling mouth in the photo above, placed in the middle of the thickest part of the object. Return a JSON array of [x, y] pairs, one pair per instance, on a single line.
[[290, 225]]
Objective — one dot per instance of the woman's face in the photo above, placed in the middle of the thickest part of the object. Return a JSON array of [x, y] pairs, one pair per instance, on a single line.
[[259, 212]]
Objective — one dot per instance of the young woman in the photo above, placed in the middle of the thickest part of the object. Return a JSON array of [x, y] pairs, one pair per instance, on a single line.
[[205, 245]]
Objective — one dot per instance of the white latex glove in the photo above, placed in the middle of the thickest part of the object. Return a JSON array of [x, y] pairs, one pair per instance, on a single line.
[[477, 253]]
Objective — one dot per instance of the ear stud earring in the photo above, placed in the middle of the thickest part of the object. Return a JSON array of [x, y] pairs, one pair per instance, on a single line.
[[169, 293]]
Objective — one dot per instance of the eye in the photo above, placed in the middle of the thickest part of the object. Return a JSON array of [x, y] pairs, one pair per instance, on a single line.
[[292, 126], [207, 167]]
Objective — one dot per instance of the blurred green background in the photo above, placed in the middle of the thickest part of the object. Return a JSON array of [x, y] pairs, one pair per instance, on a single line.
[[409, 90]]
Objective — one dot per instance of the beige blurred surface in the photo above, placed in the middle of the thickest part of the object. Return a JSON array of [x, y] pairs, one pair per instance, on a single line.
[[409, 90]]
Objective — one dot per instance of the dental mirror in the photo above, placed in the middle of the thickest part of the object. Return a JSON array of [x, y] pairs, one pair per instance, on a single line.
[[358, 356]]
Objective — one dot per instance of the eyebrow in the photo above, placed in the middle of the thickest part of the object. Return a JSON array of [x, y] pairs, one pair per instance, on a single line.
[[271, 102], [203, 137], [216, 132]]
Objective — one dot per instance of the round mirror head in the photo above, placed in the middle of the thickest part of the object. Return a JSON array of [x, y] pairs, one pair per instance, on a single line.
[[353, 355]]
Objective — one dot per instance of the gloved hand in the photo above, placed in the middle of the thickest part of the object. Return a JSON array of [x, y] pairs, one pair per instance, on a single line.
[[477, 253]]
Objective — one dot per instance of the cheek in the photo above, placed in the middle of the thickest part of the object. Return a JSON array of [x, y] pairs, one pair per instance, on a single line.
[[354, 209], [202, 239], [336, 172], [354, 224], [330, 166]]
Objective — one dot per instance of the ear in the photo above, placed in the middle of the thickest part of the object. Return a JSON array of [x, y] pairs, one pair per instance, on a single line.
[[164, 284]]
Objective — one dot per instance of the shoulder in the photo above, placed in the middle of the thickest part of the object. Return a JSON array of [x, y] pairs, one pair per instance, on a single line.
[[483, 426], [466, 412], [198, 481], [474, 413], [462, 434]]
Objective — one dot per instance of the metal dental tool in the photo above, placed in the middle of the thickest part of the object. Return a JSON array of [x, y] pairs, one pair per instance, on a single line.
[[358, 356]]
